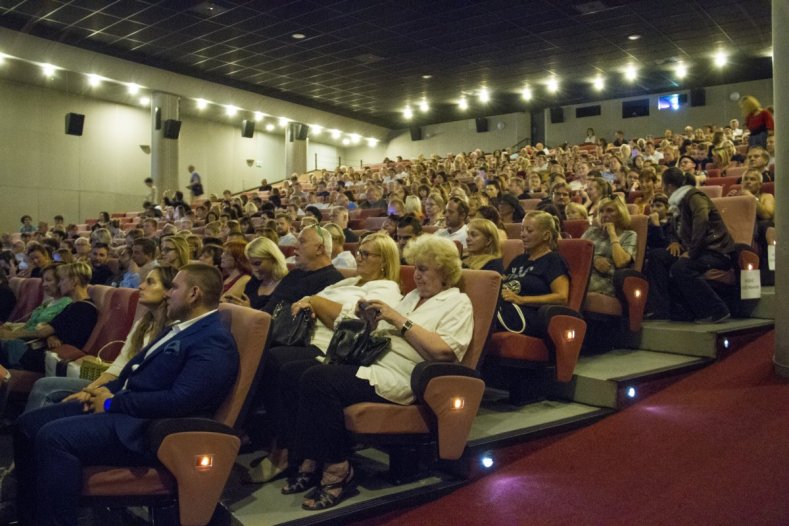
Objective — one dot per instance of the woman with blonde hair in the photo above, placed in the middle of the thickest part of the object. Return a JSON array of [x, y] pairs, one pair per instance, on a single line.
[[614, 244], [340, 257], [174, 252], [413, 206], [483, 246], [434, 210], [759, 121], [268, 268]]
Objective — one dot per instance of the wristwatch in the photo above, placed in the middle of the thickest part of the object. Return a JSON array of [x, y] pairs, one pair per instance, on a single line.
[[107, 404], [406, 327]]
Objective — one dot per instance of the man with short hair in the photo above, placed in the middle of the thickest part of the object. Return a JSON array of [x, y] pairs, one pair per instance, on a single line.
[[195, 183], [149, 227], [82, 249], [102, 273], [455, 215], [759, 159], [373, 199], [286, 237], [186, 371], [314, 271], [153, 192], [408, 228], [143, 255], [736, 131], [619, 138], [339, 216]]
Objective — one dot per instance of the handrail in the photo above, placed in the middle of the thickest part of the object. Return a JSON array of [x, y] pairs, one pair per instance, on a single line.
[[517, 146]]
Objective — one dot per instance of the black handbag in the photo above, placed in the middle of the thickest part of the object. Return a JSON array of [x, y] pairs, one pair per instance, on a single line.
[[288, 330], [354, 344]]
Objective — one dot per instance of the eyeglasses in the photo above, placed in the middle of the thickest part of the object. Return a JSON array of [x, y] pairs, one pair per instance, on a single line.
[[165, 250], [363, 254]]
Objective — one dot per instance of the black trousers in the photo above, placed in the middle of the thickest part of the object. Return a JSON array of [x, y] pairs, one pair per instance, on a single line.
[[314, 410], [682, 279]]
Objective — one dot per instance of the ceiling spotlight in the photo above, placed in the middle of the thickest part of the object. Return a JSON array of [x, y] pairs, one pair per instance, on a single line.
[[298, 36], [599, 83], [283, 122], [270, 127], [372, 143], [423, 106], [484, 95], [720, 59], [335, 134], [526, 93], [427, 77], [145, 101], [94, 80], [316, 129], [355, 138], [631, 73], [682, 71], [463, 103], [133, 88], [259, 116], [553, 84], [408, 113], [202, 104], [634, 36], [2, 58], [48, 70], [230, 110], [346, 141]]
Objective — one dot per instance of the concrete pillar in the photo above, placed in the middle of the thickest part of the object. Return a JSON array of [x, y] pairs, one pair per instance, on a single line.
[[164, 152], [295, 149], [781, 103]]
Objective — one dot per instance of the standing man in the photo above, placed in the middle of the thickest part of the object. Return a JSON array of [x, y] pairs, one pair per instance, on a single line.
[[455, 214], [186, 372], [153, 192], [195, 183]]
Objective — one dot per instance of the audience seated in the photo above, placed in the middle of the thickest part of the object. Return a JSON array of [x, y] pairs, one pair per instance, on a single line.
[[615, 246], [483, 250]]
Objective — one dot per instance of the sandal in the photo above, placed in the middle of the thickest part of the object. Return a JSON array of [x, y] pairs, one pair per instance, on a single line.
[[322, 497], [303, 481]]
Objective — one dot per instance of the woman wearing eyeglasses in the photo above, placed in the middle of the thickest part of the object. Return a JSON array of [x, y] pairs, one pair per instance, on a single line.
[[378, 279], [174, 252], [614, 245]]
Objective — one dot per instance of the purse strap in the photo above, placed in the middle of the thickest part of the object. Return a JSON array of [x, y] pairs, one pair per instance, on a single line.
[[520, 315], [106, 345]]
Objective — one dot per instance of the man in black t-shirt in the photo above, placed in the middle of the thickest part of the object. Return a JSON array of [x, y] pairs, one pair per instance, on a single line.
[[102, 273]]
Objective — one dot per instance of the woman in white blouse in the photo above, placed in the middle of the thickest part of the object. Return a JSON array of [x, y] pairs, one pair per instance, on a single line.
[[378, 279], [432, 322], [53, 389]]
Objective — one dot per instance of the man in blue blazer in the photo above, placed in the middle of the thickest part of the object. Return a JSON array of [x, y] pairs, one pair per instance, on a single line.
[[186, 371]]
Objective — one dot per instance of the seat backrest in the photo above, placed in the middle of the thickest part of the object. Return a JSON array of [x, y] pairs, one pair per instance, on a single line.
[[575, 227], [713, 172], [513, 230], [29, 294], [724, 182], [510, 249], [371, 212], [530, 204], [482, 287], [713, 190], [374, 223], [639, 224], [117, 308], [739, 215], [736, 171], [250, 329], [578, 254]]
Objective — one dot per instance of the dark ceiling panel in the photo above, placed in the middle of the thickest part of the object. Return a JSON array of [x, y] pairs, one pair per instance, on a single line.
[[366, 58]]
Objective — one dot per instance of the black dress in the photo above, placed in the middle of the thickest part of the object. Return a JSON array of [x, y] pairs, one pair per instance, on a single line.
[[256, 301]]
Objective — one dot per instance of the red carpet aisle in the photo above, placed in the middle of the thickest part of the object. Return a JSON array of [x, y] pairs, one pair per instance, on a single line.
[[711, 449]]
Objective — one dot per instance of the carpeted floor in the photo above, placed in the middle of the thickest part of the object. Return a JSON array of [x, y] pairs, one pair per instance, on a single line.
[[711, 449]]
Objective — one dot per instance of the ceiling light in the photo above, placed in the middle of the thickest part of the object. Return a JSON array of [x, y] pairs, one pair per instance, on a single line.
[[335, 134], [423, 106], [202, 104], [259, 116], [682, 71], [634, 36], [270, 127], [145, 101], [426, 77], [553, 84], [484, 95], [94, 80], [408, 113], [599, 83], [283, 122], [2, 58], [298, 36], [346, 141], [230, 110], [721, 58], [631, 73], [48, 70], [463, 103], [526, 94], [133, 88], [316, 129], [372, 143], [355, 138]]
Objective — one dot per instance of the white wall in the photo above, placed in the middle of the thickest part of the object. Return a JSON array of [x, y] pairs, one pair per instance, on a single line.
[[326, 155], [718, 110]]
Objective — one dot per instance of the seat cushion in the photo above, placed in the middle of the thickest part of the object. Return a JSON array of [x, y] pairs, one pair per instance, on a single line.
[[602, 304], [110, 481], [375, 418], [726, 277], [518, 347]]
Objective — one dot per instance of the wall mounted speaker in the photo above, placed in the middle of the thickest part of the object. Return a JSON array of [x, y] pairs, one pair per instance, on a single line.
[[172, 128], [74, 123], [157, 118], [302, 131], [482, 124], [557, 115], [698, 97], [416, 133], [247, 129]]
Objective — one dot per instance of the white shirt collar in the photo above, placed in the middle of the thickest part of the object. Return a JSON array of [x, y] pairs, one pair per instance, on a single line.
[[183, 325]]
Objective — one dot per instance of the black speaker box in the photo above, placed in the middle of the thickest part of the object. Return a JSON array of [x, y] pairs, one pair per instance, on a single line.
[[172, 128], [482, 124], [74, 123], [301, 132], [698, 97], [557, 115], [157, 118], [416, 133], [247, 129]]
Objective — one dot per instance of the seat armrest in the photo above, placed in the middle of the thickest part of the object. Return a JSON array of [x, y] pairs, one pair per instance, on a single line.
[[566, 334], [427, 370], [161, 428], [632, 289], [547, 312], [68, 352], [454, 400], [745, 258]]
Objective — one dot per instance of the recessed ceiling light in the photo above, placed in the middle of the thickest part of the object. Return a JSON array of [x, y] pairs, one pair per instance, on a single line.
[[270, 127], [553, 84], [94, 80], [427, 77], [355, 138], [721, 58], [144, 101], [202, 104], [526, 94], [423, 106], [598, 82], [484, 95], [134, 89], [371, 142], [346, 141], [335, 134], [230, 110], [408, 113], [463, 104], [631, 73], [298, 36], [259, 116], [283, 122], [48, 70], [2, 58], [682, 71], [315, 129], [634, 36]]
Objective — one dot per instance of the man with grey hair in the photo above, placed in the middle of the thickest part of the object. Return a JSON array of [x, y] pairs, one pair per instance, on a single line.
[[314, 271]]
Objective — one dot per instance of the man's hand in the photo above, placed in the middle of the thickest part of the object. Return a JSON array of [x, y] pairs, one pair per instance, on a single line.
[[97, 398], [675, 249], [602, 264], [53, 342]]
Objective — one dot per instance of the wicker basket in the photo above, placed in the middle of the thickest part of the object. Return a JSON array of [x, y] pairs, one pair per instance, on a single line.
[[91, 367]]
